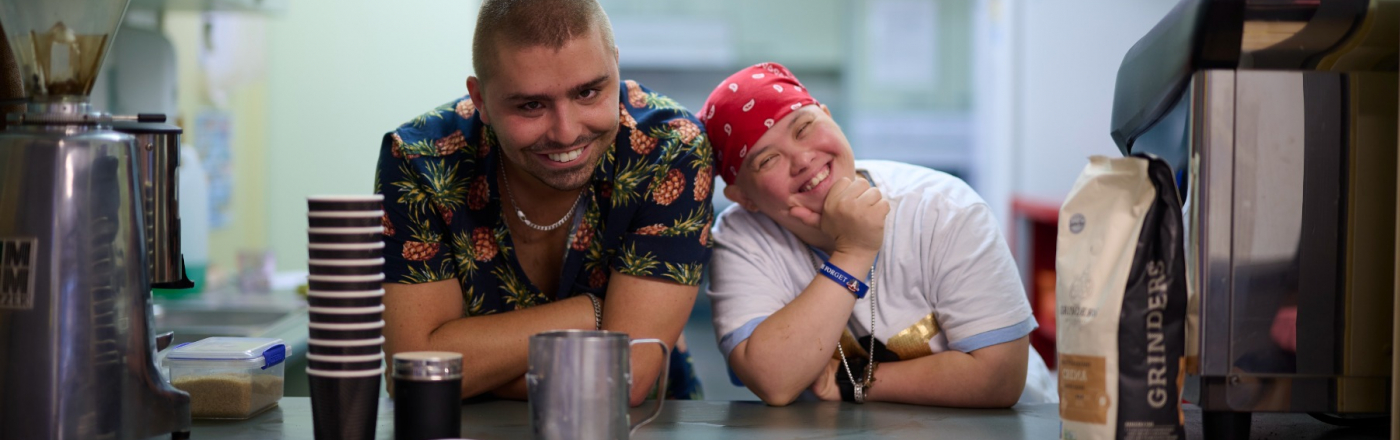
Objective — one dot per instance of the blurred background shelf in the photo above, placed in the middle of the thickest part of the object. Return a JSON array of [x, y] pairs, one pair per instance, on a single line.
[[257, 6], [1034, 225]]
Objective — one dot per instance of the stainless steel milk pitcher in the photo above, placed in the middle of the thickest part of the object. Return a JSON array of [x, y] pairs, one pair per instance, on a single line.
[[579, 381]]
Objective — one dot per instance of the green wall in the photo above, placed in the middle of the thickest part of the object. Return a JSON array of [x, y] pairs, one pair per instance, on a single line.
[[341, 73]]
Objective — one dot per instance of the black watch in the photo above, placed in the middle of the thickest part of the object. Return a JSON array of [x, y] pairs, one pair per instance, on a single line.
[[844, 382]]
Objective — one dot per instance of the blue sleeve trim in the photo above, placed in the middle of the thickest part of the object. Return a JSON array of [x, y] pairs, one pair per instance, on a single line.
[[731, 340], [993, 337]]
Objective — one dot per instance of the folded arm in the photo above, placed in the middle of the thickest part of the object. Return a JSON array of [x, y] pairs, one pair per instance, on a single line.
[[789, 349], [989, 377], [495, 347], [647, 308]]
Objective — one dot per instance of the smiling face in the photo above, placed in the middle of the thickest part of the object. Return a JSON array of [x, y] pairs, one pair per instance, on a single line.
[[795, 164], [554, 111]]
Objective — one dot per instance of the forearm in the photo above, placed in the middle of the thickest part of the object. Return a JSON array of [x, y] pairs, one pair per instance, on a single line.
[[495, 347], [787, 351], [954, 379], [516, 389]]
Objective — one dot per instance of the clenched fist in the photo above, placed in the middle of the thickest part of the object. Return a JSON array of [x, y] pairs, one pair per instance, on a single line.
[[853, 215]]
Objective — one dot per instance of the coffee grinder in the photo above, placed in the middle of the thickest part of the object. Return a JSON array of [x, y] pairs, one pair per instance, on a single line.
[[88, 220]]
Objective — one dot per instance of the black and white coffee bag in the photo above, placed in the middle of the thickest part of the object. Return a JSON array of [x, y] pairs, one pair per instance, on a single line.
[[1121, 298]]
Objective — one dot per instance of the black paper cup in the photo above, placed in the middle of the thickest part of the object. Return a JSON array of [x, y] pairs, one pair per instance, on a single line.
[[344, 363], [345, 222], [346, 319], [343, 366], [345, 347], [343, 219], [369, 234], [367, 266], [373, 237], [345, 283], [345, 334], [372, 202], [344, 331], [346, 314], [317, 269], [344, 404], [336, 250], [360, 254], [343, 351], [321, 301], [346, 299], [330, 286]]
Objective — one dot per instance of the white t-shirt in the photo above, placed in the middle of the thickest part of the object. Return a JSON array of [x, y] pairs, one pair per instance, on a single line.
[[945, 278]]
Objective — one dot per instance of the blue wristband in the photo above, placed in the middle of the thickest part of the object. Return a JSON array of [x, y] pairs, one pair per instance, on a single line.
[[851, 283]]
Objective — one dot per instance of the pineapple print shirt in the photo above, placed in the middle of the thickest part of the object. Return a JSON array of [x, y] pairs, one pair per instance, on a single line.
[[647, 211]]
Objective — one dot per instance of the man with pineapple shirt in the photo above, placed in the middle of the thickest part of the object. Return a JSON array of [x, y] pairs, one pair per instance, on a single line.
[[555, 196]]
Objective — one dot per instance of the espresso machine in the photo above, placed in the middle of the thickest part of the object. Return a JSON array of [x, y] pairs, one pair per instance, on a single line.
[[88, 225], [1280, 119]]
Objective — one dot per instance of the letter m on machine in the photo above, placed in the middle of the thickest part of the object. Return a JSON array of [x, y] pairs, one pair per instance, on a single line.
[[17, 258]]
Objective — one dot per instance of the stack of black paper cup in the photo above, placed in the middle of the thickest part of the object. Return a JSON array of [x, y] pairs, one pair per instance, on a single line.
[[345, 359]]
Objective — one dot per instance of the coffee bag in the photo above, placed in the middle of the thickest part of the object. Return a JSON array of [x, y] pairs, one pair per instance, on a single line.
[[1121, 302]]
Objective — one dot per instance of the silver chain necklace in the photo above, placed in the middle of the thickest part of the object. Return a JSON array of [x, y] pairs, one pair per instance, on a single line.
[[870, 368], [521, 214]]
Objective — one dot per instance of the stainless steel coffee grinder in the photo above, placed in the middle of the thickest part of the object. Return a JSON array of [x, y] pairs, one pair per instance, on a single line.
[[88, 225]]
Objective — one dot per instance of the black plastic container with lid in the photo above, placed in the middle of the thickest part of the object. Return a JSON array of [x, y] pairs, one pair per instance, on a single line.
[[427, 395]]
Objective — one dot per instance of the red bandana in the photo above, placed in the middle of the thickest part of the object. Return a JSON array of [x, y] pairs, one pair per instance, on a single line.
[[746, 105]]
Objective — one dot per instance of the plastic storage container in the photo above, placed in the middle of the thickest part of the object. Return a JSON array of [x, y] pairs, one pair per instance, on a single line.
[[229, 378]]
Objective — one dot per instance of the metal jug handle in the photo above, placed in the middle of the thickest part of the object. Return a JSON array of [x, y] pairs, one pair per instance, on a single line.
[[660, 381]]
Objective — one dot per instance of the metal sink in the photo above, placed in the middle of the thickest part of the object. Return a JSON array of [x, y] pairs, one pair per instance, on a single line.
[[237, 319], [275, 315], [194, 321]]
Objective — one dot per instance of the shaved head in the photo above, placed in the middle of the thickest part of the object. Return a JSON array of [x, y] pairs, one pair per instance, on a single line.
[[504, 24]]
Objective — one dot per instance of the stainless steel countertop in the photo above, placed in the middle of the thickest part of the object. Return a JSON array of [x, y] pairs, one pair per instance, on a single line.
[[697, 420], [754, 420]]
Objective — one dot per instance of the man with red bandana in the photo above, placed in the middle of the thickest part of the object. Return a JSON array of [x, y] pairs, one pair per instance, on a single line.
[[830, 268]]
